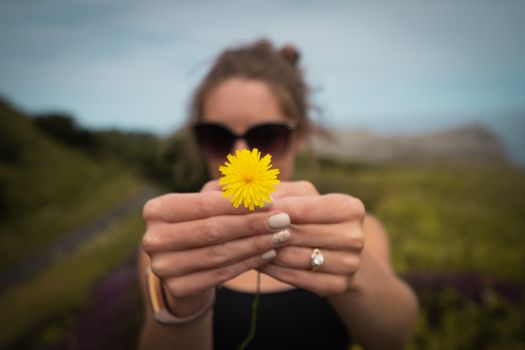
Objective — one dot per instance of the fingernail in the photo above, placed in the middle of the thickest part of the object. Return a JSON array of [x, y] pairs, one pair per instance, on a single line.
[[281, 236], [269, 255], [268, 205], [280, 220]]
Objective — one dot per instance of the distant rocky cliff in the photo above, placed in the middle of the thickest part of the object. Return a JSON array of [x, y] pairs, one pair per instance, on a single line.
[[472, 144]]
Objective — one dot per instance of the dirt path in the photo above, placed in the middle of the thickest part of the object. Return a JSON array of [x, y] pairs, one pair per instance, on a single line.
[[73, 239]]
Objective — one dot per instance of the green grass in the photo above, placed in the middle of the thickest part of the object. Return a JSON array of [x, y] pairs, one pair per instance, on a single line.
[[441, 217], [45, 225], [61, 291], [449, 321], [47, 188]]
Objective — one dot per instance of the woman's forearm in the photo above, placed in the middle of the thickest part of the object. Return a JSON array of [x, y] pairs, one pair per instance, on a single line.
[[379, 310], [195, 335]]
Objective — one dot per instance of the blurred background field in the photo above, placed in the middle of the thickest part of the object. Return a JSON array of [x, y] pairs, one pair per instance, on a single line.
[[424, 100], [456, 229]]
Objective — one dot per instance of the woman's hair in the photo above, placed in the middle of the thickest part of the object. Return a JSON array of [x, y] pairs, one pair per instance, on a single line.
[[279, 68]]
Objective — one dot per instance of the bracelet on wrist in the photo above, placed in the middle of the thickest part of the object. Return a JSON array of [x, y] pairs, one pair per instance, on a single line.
[[158, 303]]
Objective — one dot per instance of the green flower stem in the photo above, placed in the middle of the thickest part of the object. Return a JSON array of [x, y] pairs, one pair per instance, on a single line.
[[253, 326]]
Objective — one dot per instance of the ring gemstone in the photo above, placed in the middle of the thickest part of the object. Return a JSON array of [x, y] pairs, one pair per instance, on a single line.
[[317, 259]]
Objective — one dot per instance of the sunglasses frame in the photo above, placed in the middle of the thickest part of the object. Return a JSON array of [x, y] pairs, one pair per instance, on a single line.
[[289, 128]]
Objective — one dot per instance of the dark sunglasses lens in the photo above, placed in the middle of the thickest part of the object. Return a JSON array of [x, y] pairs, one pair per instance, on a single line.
[[215, 140], [269, 138]]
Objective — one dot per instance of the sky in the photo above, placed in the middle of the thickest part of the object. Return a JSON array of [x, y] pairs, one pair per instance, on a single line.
[[400, 66]]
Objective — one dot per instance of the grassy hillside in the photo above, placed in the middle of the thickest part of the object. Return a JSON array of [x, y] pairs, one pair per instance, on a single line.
[[47, 188], [64, 288], [441, 217]]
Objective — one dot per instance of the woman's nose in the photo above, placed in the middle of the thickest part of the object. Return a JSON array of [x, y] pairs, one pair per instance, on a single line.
[[239, 144]]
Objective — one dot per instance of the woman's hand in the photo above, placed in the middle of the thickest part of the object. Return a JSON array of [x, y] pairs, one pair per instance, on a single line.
[[197, 241], [332, 223]]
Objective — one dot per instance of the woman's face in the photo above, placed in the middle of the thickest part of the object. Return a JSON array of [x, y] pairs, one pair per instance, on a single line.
[[240, 104]]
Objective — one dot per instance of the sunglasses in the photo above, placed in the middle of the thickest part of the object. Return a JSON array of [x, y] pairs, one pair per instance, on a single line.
[[217, 140]]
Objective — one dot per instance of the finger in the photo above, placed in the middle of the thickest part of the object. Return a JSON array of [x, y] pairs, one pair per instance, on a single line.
[[323, 209], [210, 231], [283, 189], [214, 186], [177, 207], [335, 262], [194, 283], [170, 264], [295, 188], [211, 186], [323, 284], [344, 236]]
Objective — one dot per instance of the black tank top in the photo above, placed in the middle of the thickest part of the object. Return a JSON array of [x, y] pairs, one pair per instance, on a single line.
[[291, 319]]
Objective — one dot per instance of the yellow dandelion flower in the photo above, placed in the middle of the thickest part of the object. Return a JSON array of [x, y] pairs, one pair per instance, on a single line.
[[248, 179]]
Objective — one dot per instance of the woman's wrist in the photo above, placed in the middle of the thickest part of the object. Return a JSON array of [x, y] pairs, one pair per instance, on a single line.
[[168, 310], [187, 306]]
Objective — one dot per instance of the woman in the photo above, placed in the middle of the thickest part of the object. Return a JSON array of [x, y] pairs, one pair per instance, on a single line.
[[205, 254]]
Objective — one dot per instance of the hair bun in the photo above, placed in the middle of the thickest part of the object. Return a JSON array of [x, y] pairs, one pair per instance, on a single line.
[[290, 54], [263, 45]]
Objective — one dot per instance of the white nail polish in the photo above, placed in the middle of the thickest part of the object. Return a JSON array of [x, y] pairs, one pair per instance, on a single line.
[[281, 236], [280, 220], [269, 255]]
